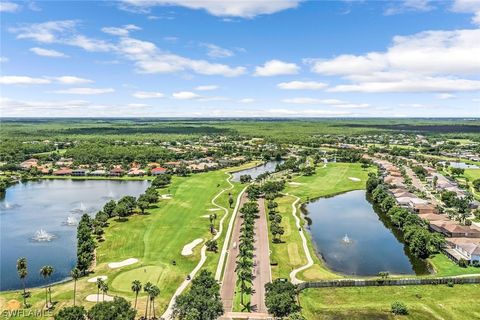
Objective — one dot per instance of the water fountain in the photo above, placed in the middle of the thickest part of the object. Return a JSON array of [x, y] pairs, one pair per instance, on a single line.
[[83, 208], [7, 205], [71, 221], [346, 239], [43, 236]]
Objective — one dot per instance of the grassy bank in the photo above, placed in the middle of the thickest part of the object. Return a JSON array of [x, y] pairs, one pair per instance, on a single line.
[[423, 302]]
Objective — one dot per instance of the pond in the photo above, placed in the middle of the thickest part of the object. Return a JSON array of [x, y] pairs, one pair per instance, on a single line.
[[354, 240], [256, 171], [462, 165], [34, 212]]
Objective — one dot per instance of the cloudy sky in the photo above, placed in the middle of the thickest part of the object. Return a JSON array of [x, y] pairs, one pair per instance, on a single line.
[[274, 58]]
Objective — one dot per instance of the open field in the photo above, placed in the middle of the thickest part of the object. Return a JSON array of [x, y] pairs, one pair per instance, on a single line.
[[423, 302], [155, 239]]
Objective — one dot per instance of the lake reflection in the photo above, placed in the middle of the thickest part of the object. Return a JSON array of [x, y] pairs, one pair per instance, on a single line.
[[256, 171], [353, 240], [31, 212]]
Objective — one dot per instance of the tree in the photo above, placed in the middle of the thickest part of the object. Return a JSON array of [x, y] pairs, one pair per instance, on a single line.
[[136, 287], [280, 298], [457, 171], [476, 184], [245, 178], [202, 301], [46, 272], [230, 200], [99, 286], [399, 308], [75, 274], [143, 205], [152, 294], [71, 313], [147, 288], [212, 245], [161, 181], [121, 211], [118, 309], [109, 207], [22, 274], [104, 289]]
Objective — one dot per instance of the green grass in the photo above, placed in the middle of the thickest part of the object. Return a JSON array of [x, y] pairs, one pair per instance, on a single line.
[[156, 240], [445, 267], [423, 302]]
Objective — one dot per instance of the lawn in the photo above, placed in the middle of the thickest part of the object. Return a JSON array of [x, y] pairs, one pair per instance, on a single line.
[[423, 302], [445, 267], [156, 240]]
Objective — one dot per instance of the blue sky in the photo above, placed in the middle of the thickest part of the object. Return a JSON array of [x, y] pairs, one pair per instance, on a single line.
[[275, 58]]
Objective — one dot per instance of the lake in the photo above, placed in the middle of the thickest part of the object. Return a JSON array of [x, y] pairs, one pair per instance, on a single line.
[[462, 165], [53, 206], [256, 171], [354, 240]]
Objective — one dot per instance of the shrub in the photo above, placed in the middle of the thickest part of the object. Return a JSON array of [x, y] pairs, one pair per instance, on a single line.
[[399, 308], [462, 263], [450, 283]]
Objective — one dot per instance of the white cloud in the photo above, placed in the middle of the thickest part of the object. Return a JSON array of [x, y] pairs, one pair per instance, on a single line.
[[302, 85], [275, 68], [22, 80], [89, 44], [148, 95], [246, 100], [138, 105], [71, 80], [231, 8], [123, 31], [445, 96], [48, 53], [46, 32], [206, 88], [215, 51], [403, 6], [330, 102], [185, 95], [3, 59], [149, 59], [468, 6], [7, 6], [85, 91], [433, 61], [305, 113]]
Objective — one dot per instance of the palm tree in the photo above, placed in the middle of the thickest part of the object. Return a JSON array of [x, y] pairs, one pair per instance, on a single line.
[[147, 287], [75, 274], [104, 289], [45, 273], [22, 274], [153, 293], [99, 285], [136, 287]]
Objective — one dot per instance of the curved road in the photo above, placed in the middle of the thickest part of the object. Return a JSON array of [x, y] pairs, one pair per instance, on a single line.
[[293, 274]]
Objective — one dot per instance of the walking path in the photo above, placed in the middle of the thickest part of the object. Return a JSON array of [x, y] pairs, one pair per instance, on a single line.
[[227, 291], [261, 268], [203, 253], [293, 274]]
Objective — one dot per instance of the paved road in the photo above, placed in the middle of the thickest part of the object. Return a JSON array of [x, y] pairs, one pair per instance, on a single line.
[[261, 270], [227, 290]]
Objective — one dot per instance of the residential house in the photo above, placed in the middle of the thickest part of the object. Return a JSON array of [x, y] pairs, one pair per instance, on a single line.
[[135, 172], [158, 170], [116, 172], [62, 172], [79, 172], [27, 164], [454, 229]]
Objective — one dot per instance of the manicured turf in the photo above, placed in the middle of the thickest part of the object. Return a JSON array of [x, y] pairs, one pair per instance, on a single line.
[[445, 267], [423, 302], [156, 240]]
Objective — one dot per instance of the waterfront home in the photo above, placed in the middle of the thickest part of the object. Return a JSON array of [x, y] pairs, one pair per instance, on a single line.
[[27, 164], [62, 172], [424, 208], [454, 229], [172, 164], [463, 248], [116, 172], [153, 165], [433, 217], [135, 172], [158, 170], [98, 173], [79, 172]]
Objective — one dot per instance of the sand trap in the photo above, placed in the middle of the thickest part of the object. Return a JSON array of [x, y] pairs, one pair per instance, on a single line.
[[354, 179], [114, 265], [295, 183], [206, 216], [188, 248], [93, 298], [214, 209], [166, 196], [94, 279]]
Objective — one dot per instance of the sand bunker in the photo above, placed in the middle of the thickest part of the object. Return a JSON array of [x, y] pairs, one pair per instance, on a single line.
[[214, 209], [94, 279], [188, 248], [206, 216], [93, 298], [166, 196], [354, 179], [295, 183], [114, 265]]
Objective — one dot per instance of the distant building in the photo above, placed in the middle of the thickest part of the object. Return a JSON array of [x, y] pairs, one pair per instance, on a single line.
[[158, 170]]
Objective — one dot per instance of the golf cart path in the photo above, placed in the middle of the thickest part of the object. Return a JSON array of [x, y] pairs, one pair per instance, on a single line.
[[203, 252], [293, 274]]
